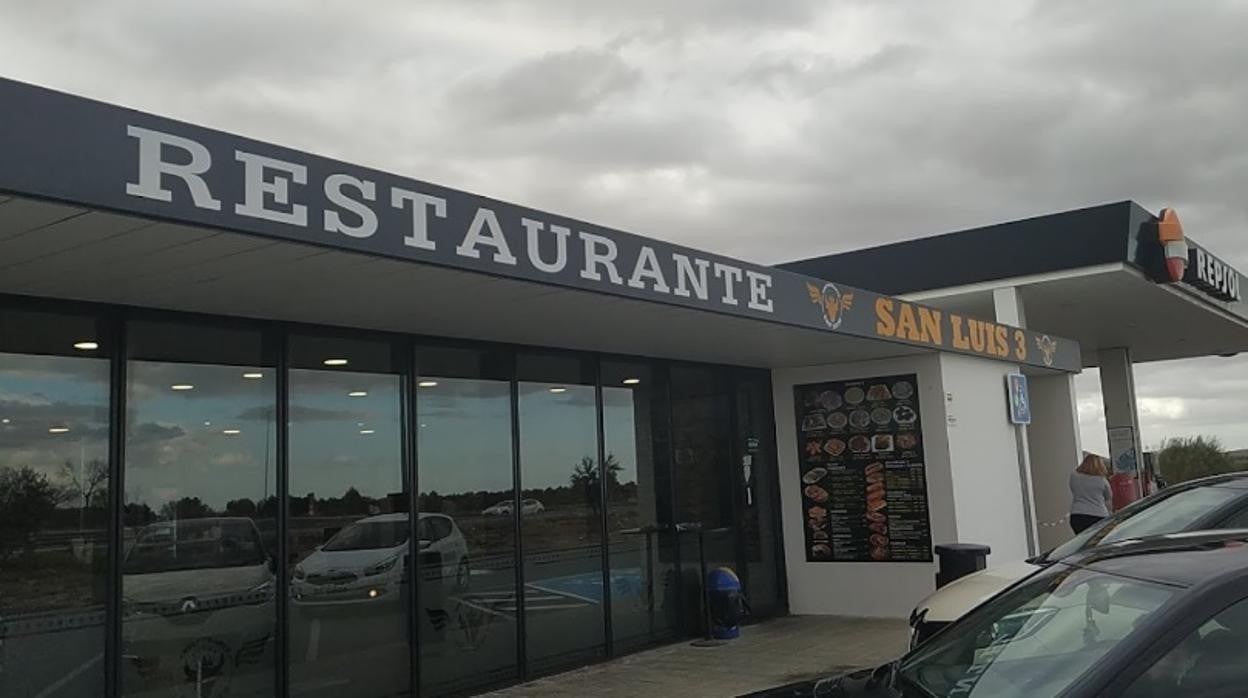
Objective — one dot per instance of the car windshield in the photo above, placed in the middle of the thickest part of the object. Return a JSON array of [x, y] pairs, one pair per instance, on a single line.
[[1159, 516], [1037, 639], [195, 544], [369, 535]]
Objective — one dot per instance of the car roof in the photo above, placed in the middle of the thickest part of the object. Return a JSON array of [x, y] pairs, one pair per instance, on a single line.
[[384, 518], [1237, 480], [1178, 559]]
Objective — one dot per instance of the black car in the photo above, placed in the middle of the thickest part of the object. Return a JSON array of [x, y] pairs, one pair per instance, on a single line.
[[1217, 502], [1164, 616]]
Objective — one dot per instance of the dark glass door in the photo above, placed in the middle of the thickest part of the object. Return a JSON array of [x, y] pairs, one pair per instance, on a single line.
[[468, 610], [54, 491], [560, 511], [640, 540], [200, 511], [348, 531]]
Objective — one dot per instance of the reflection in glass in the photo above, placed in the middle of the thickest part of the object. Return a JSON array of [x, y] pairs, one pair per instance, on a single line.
[[53, 497], [702, 474], [562, 539], [467, 617], [641, 542], [760, 503], [200, 505], [348, 528]]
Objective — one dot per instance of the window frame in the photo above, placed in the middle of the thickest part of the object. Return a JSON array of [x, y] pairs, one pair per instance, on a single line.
[[1162, 633]]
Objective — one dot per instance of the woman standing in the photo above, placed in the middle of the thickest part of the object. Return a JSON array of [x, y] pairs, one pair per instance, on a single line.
[[1091, 497]]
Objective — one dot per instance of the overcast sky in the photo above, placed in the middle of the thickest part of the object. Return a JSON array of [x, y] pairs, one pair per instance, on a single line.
[[763, 130]]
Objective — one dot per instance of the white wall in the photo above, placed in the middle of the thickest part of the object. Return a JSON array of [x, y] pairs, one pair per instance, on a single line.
[[862, 588], [1055, 451], [987, 488]]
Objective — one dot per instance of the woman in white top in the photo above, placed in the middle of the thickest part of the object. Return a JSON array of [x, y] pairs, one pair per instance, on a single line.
[[1091, 497]]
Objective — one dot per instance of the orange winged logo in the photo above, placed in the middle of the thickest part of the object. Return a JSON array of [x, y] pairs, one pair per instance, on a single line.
[[831, 301]]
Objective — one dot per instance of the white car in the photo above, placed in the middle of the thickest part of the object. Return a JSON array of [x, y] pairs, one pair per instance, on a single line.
[[528, 507], [503, 508], [366, 561], [1218, 502]]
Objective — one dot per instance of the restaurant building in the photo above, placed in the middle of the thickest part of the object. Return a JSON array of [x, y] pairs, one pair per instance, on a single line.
[[274, 424]]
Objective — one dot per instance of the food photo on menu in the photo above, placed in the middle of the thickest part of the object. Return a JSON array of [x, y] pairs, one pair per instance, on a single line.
[[863, 490]]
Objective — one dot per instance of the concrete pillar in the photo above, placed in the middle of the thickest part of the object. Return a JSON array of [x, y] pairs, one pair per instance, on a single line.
[[1122, 420], [1055, 451], [1008, 308]]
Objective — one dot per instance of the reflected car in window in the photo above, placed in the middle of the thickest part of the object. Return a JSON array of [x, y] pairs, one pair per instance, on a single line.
[[528, 507], [1115, 620], [1218, 502], [503, 508], [366, 562], [197, 601]]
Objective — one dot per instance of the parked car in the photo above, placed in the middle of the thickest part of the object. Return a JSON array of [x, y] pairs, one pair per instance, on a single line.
[[366, 561], [197, 602], [1151, 618], [1216, 502], [528, 507], [503, 508]]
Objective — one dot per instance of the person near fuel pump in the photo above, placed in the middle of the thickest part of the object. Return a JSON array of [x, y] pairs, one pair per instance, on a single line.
[[1091, 496]]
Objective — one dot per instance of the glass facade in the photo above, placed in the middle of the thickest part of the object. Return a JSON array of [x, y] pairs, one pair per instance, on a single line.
[[195, 506]]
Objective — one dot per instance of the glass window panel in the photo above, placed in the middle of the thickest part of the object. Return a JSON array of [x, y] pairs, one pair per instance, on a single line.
[[757, 472], [54, 485], [641, 544], [349, 526], [467, 613], [703, 468], [562, 526], [200, 509], [1208, 662]]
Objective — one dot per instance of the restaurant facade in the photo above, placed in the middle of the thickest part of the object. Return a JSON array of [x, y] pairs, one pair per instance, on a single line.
[[274, 424]]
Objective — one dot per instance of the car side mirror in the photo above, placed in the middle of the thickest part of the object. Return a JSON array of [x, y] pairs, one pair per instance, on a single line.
[[424, 543]]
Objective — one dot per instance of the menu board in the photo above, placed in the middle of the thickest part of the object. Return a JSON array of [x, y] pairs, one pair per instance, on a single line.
[[864, 486]]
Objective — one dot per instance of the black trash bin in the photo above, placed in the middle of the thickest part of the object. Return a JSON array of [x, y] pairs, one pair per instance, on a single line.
[[960, 559]]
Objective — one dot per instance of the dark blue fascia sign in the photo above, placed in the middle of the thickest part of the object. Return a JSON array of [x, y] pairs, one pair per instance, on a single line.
[[1211, 275], [85, 153], [1019, 399]]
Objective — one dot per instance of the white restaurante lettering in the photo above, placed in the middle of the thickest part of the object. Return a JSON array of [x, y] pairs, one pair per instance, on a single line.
[[279, 192]]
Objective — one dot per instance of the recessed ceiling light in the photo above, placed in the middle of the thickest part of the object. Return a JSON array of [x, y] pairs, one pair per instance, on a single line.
[[86, 346], [367, 431], [231, 432], [252, 375], [182, 386], [58, 430], [4, 421], [207, 424], [335, 362], [631, 381], [427, 384], [422, 426], [558, 390], [358, 393]]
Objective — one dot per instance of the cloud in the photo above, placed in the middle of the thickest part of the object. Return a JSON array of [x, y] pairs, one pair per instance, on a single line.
[[768, 131], [146, 433], [551, 86], [303, 413]]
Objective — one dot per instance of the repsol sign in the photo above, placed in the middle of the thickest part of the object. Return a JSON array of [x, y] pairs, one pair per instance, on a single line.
[[1211, 275]]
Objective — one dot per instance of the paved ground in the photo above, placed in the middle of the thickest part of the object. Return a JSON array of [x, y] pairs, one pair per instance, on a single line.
[[769, 654]]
